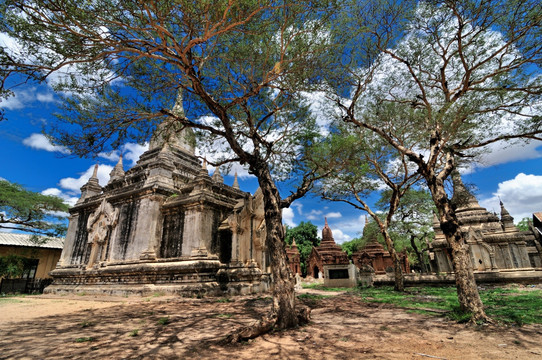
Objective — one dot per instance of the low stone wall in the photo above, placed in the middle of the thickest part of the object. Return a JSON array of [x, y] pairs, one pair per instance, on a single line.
[[527, 276]]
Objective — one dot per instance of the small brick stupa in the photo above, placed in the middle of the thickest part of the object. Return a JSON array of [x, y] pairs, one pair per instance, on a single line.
[[294, 259], [328, 253]]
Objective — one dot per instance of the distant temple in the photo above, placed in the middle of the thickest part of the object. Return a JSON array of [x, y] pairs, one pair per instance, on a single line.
[[327, 253], [374, 255], [164, 225], [294, 258], [495, 244]]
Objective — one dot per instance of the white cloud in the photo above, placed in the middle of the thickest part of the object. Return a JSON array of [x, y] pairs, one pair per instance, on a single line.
[[334, 215], [340, 237], [41, 142], [130, 152], [288, 217], [23, 98], [521, 196], [68, 199], [500, 153], [314, 215], [298, 206], [74, 184]]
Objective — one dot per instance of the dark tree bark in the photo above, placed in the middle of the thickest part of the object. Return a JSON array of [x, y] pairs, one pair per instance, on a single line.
[[467, 290], [418, 253]]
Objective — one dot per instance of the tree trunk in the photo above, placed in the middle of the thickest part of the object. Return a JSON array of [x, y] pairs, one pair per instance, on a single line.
[[284, 314], [283, 280], [418, 254], [467, 291], [397, 270]]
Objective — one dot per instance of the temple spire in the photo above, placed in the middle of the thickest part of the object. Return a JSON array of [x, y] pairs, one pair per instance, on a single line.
[[92, 187], [217, 177], [171, 130], [506, 219], [235, 182], [462, 197], [117, 172], [203, 171]]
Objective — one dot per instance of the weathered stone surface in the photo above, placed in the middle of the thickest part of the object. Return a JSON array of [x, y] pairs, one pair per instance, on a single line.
[[494, 244], [164, 224]]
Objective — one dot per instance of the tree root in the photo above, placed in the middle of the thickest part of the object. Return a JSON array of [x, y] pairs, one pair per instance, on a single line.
[[266, 325]]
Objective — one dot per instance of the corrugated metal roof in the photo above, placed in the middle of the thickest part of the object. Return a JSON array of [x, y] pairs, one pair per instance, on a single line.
[[25, 240]]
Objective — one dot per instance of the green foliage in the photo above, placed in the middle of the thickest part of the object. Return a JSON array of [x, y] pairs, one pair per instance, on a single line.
[[163, 320], [306, 236], [13, 266], [353, 245], [84, 339], [31, 212], [134, 333], [524, 224]]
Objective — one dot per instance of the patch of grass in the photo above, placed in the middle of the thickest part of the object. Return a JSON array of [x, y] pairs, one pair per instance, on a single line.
[[84, 339], [134, 333], [440, 298], [510, 305], [312, 296], [158, 294], [82, 293], [224, 316], [86, 323], [9, 300], [345, 339], [513, 305], [317, 286], [223, 300], [163, 320], [458, 315]]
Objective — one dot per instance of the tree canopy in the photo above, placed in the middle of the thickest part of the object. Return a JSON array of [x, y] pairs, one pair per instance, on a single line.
[[31, 212], [439, 81]]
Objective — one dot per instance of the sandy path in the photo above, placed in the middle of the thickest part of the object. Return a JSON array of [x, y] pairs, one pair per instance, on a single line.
[[342, 327]]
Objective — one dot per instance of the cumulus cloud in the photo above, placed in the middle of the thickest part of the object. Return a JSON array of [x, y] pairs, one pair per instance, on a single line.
[[41, 142], [521, 196], [340, 237], [499, 153], [334, 215], [314, 215], [130, 152], [68, 199], [23, 98], [74, 184], [288, 217]]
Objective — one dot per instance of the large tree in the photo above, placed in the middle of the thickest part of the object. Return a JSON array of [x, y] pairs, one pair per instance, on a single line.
[[413, 220], [31, 212], [454, 76], [360, 165], [238, 65]]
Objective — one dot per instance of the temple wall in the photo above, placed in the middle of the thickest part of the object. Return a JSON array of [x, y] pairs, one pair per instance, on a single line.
[[172, 234], [69, 243], [124, 232], [80, 249], [149, 219]]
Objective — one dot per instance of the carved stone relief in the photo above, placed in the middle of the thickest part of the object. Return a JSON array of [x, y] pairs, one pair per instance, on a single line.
[[100, 225]]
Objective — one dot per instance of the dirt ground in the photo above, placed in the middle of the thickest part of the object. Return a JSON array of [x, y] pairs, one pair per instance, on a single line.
[[160, 327]]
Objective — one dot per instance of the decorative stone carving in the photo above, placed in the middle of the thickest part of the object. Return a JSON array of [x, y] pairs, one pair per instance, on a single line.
[[99, 226]]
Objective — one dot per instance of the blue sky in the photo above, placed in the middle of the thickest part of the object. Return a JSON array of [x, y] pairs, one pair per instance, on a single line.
[[514, 174]]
